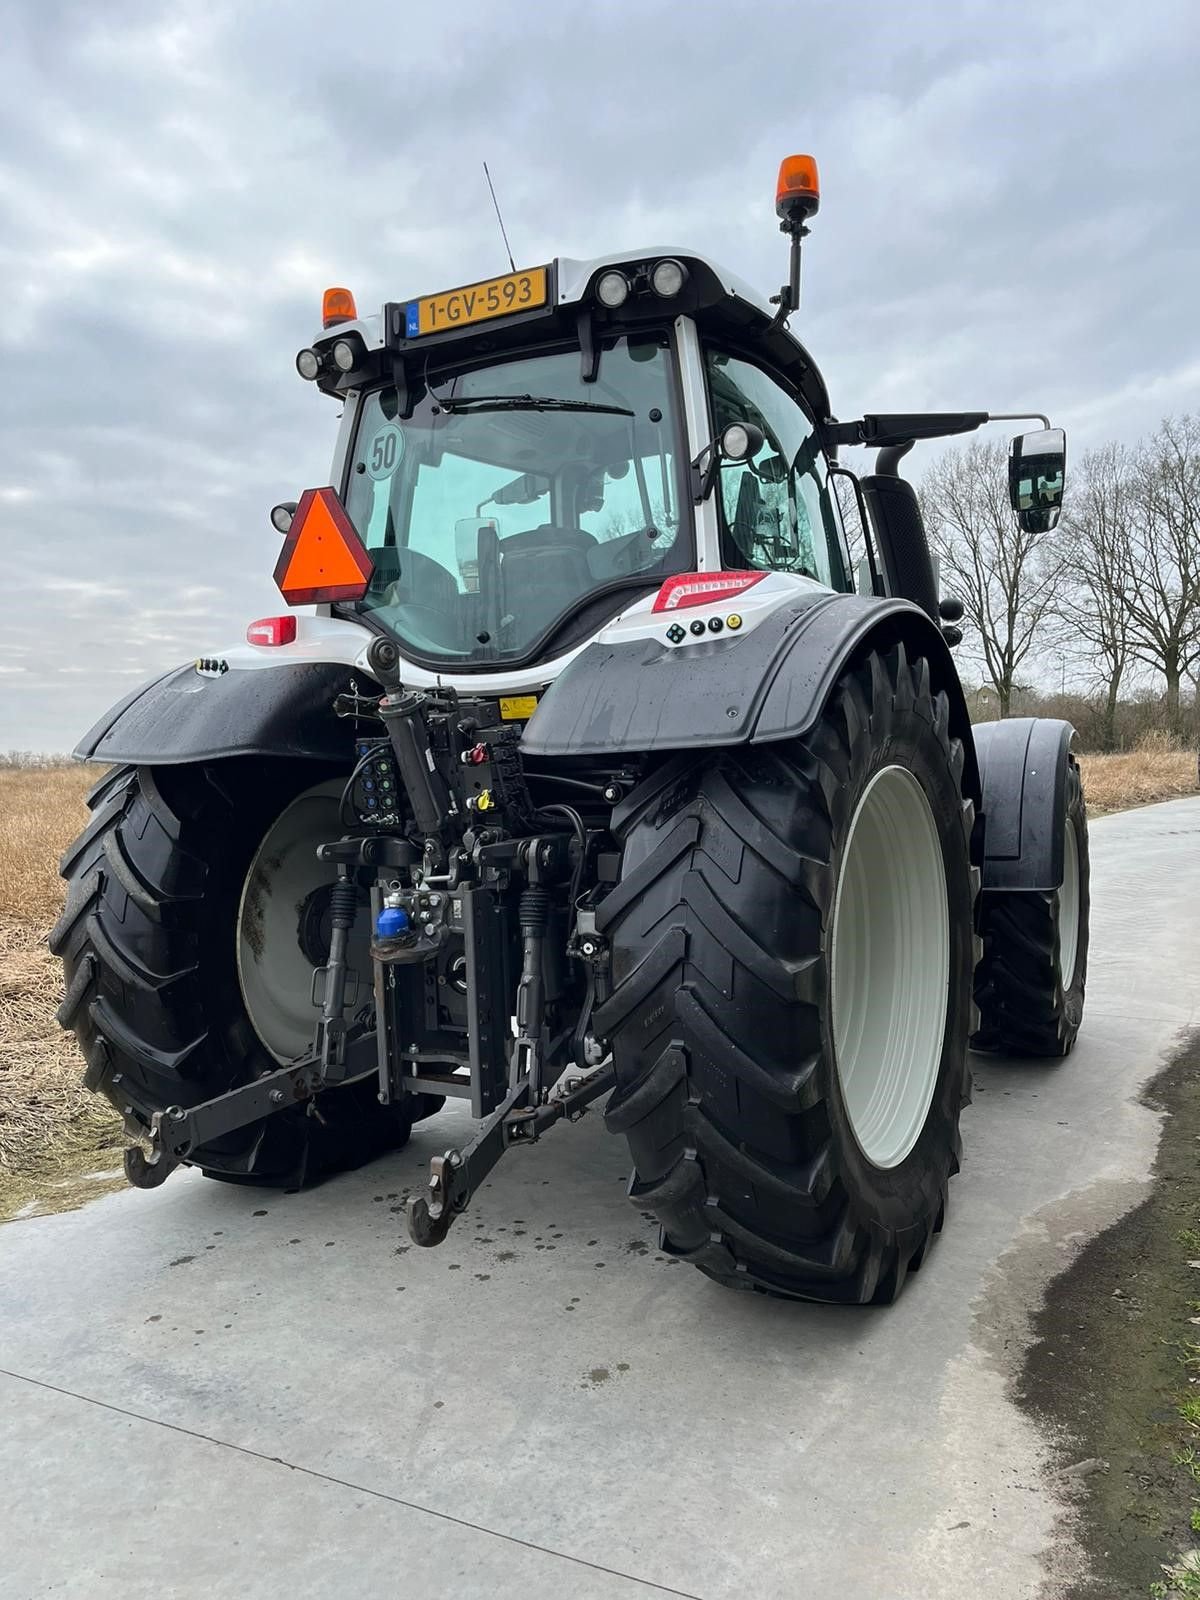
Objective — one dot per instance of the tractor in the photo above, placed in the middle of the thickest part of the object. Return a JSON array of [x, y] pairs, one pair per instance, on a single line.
[[621, 756]]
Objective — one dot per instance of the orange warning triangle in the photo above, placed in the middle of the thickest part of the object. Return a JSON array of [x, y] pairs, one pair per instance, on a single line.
[[322, 557]]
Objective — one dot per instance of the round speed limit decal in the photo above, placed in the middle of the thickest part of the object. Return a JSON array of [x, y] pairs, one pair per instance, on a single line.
[[385, 452]]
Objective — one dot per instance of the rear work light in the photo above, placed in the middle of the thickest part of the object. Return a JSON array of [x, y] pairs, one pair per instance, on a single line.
[[701, 588], [668, 278], [612, 290], [272, 630]]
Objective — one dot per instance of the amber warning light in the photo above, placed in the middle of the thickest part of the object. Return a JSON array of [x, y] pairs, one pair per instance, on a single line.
[[323, 558], [337, 305], [798, 191]]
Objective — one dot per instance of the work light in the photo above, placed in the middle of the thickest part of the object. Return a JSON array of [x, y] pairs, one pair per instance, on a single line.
[[613, 290], [668, 278]]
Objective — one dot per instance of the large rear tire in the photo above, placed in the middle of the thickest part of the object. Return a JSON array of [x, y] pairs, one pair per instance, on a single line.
[[158, 890], [1030, 982], [792, 949]]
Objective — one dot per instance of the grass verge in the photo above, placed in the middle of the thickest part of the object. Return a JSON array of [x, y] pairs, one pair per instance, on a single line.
[[1114, 1371], [1154, 771]]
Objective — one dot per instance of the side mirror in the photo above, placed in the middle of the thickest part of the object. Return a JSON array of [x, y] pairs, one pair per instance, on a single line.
[[1037, 467]]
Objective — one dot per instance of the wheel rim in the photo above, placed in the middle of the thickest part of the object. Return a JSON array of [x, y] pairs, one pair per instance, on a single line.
[[276, 911], [1068, 908], [890, 966]]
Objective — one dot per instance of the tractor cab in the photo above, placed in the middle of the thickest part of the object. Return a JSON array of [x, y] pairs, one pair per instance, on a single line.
[[533, 463], [528, 460]]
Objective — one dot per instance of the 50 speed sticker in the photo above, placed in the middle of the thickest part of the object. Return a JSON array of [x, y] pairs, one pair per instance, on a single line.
[[385, 452]]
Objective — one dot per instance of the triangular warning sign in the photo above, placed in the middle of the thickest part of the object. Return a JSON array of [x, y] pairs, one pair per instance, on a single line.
[[322, 557]]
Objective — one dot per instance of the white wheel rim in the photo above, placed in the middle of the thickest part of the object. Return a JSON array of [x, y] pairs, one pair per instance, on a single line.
[[276, 975], [1068, 909], [890, 966]]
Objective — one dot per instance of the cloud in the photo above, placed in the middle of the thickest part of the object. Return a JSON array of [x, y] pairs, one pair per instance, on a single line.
[[1004, 226]]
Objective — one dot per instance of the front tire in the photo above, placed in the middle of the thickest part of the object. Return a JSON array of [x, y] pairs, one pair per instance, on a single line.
[[791, 1109], [1031, 978], [150, 940]]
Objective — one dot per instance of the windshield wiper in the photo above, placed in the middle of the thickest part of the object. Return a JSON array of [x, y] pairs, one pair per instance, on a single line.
[[525, 402]]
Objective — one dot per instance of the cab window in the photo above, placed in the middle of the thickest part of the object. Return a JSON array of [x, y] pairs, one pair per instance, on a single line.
[[511, 494], [778, 512]]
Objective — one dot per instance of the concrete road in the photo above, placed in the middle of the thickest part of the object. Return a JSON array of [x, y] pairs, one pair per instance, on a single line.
[[211, 1392]]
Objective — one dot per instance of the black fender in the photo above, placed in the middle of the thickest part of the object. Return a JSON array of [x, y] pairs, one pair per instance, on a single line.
[[190, 714], [1023, 765], [645, 695]]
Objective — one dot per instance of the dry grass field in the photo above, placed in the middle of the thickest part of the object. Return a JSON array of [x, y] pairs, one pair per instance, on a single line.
[[53, 1135], [1154, 771]]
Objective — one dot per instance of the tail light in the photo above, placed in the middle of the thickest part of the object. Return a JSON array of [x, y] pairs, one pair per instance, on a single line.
[[272, 630], [701, 588]]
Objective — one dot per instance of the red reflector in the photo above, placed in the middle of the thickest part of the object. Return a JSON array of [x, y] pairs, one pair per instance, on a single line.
[[702, 588], [322, 557], [271, 630]]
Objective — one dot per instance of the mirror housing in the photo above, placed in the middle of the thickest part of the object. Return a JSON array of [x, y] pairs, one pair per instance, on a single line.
[[1037, 467]]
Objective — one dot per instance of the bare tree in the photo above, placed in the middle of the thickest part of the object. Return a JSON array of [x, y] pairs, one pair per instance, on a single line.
[[1093, 599], [1163, 597], [1004, 576]]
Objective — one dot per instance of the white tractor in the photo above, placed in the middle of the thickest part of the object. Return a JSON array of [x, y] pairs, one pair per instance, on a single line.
[[591, 775]]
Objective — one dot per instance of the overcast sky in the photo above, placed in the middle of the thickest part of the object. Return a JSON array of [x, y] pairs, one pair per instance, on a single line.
[[1009, 220]]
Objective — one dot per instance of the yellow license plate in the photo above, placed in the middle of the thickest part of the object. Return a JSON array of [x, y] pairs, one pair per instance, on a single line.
[[478, 302]]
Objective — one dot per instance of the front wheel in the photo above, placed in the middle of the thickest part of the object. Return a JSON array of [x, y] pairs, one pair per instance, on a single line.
[[792, 952], [1031, 977]]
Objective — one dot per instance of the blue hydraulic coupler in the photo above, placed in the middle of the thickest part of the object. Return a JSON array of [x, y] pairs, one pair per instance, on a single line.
[[392, 920]]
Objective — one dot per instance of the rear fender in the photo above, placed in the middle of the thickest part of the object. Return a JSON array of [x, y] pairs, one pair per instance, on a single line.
[[206, 711], [1023, 765], [639, 696]]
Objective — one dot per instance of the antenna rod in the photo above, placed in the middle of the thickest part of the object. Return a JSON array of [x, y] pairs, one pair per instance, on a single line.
[[499, 218]]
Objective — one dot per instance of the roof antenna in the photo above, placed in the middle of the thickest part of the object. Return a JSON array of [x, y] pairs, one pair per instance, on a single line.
[[499, 218]]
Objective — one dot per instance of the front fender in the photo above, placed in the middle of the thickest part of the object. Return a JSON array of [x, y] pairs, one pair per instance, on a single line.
[[1023, 764], [191, 714]]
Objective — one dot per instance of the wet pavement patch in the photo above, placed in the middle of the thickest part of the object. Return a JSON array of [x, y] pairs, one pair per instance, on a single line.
[[1116, 1355]]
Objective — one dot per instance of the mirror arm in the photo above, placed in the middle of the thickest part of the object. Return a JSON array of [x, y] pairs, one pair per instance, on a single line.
[[887, 462], [1019, 416]]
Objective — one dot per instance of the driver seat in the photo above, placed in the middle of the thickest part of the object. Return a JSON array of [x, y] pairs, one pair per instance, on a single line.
[[542, 571], [412, 577]]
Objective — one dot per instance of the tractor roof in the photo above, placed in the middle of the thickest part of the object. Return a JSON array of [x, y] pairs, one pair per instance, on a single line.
[[718, 299]]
